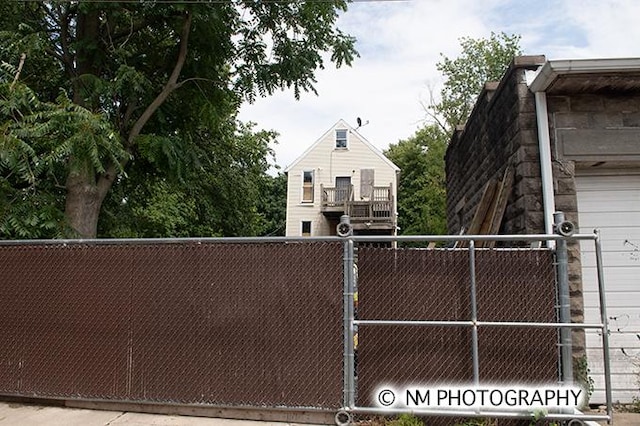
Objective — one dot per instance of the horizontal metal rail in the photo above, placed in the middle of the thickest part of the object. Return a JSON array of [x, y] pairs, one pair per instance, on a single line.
[[142, 241], [357, 238], [512, 238], [477, 323], [479, 413]]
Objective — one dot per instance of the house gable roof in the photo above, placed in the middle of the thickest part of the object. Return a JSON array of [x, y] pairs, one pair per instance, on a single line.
[[341, 124]]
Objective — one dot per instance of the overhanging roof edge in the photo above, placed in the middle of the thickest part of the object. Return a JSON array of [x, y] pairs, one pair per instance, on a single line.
[[548, 72]]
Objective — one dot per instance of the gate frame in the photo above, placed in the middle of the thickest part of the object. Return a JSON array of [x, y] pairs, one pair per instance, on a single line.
[[555, 243]]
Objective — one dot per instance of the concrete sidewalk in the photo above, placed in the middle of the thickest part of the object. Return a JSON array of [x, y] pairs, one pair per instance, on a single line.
[[16, 414], [20, 414], [624, 419]]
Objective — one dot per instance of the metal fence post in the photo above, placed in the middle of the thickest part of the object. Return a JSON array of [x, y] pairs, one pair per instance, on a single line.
[[348, 399], [564, 301], [605, 325], [351, 394], [474, 313]]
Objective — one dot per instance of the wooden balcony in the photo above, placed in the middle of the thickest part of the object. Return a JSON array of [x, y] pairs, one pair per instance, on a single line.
[[335, 200], [375, 212]]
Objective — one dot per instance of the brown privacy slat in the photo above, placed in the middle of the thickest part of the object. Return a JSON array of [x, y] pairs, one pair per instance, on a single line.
[[517, 285], [418, 284], [409, 284], [68, 330], [260, 324], [228, 324], [271, 322]]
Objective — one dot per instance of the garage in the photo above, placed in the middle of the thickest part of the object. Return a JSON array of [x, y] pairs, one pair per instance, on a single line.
[[610, 202]]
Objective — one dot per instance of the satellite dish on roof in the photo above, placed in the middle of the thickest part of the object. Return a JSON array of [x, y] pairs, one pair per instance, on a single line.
[[359, 121]]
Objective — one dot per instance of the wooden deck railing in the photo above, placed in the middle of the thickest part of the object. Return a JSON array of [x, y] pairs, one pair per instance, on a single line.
[[377, 207], [336, 197]]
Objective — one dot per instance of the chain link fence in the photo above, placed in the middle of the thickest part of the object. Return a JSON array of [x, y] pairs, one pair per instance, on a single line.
[[461, 316], [273, 323], [226, 324], [433, 285]]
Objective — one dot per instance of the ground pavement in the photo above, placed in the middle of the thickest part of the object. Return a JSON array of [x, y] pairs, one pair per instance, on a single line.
[[18, 414]]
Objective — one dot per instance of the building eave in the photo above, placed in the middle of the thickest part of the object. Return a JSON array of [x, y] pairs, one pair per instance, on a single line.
[[551, 70]]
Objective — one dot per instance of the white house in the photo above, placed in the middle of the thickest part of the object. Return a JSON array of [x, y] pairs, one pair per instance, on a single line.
[[341, 173]]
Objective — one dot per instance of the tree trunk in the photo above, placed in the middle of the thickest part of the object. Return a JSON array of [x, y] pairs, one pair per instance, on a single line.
[[82, 206], [85, 190], [83, 203]]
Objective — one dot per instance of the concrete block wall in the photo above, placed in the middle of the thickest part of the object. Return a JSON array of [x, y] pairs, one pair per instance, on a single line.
[[592, 129], [600, 115], [500, 132]]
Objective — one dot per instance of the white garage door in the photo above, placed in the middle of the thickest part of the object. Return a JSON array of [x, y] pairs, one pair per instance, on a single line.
[[612, 204]]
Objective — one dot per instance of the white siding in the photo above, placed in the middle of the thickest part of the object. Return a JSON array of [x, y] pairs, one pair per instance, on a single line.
[[327, 162], [611, 203]]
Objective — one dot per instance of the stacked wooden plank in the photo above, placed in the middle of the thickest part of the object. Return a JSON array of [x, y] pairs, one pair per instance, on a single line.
[[490, 211]]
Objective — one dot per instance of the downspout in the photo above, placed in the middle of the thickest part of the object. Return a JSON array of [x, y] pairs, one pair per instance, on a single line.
[[546, 172]]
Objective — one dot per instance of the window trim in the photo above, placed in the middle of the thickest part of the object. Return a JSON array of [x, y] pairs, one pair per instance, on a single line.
[[305, 186], [302, 225], [346, 139]]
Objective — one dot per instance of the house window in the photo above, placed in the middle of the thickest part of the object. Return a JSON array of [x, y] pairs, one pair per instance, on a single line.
[[306, 228], [341, 138], [307, 187]]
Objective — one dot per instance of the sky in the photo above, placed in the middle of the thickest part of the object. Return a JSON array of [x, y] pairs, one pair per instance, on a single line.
[[400, 43]]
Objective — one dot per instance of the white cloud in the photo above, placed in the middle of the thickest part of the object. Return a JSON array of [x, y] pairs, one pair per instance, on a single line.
[[611, 27], [400, 44]]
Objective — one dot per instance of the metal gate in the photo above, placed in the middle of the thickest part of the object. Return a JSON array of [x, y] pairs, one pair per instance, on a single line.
[[460, 318]]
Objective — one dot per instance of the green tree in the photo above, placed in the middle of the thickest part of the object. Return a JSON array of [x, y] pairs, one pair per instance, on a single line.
[[421, 189], [35, 137], [155, 78], [422, 186], [215, 189], [272, 205], [481, 60]]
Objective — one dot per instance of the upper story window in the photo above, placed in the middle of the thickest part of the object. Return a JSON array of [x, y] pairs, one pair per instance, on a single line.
[[307, 186], [341, 138]]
